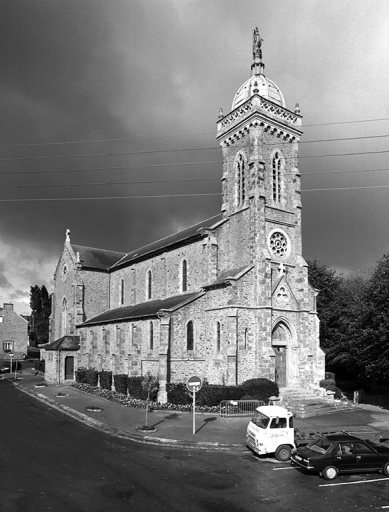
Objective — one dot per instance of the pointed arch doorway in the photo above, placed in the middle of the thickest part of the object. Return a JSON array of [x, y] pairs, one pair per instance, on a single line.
[[281, 337]]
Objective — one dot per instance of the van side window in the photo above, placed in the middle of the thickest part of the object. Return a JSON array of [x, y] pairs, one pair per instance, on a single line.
[[278, 423], [291, 422]]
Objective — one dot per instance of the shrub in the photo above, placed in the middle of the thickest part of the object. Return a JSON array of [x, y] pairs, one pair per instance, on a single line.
[[330, 385], [177, 393], [105, 379], [212, 394], [260, 389], [121, 383], [330, 375], [81, 375], [91, 377], [134, 386]]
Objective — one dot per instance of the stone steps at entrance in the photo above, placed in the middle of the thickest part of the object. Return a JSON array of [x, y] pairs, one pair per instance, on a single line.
[[305, 404]]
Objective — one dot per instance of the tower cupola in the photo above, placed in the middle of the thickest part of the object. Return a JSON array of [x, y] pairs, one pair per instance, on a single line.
[[258, 83]]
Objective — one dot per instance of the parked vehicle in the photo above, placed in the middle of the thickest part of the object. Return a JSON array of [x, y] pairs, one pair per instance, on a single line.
[[330, 455], [271, 431]]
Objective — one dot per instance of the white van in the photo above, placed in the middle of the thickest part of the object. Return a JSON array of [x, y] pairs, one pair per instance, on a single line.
[[271, 431]]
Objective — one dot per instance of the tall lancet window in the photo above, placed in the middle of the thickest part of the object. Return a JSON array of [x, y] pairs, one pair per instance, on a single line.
[[277, 177], [241, 179], [149, 284], [121, 292], [184, 271]]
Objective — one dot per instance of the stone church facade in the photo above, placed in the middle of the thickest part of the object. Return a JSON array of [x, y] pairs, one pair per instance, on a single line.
[[227, 299]]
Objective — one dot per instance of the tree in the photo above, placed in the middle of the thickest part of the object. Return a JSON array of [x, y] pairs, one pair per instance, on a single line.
[[372, 347], [150, 385], [339, 307], [40, 304]]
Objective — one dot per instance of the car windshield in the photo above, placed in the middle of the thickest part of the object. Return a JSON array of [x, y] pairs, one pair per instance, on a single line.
[[320, 445], [261, 420]]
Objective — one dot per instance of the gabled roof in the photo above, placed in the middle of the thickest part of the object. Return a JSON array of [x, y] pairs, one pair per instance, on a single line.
[[227, 276], [97, 258], [65, 343], [183, 236], [146, 309]]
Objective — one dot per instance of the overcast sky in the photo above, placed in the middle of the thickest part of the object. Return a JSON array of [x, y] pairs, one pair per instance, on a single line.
[[99, 95]]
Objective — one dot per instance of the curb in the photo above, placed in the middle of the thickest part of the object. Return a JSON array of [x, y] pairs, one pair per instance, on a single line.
[[148, 440]]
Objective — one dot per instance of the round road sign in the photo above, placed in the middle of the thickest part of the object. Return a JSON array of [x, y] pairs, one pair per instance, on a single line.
[[194, 384]]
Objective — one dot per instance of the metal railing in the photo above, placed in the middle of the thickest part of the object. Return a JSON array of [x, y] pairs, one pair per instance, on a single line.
[[231, 408]]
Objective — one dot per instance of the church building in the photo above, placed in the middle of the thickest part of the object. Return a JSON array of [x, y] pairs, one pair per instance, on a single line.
[[227, 299]]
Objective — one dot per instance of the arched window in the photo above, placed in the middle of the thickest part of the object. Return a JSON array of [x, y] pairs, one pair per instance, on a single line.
[[121, 292], [151, 336], [277, 176], [64, 316], [189, 336], [149, 284], [241, 179], [217, 337], [184, 275]]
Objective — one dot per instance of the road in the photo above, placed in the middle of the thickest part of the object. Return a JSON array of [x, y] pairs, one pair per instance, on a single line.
[[50, 462]]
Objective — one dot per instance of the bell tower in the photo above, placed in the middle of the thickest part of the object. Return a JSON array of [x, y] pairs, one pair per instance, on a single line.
[[259, 139]]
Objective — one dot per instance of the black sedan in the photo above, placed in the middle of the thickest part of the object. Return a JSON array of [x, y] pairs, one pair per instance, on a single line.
[[330, 455]]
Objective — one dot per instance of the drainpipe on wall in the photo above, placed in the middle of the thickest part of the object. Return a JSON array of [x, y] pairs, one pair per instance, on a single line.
[[237, 350], [59, 367]]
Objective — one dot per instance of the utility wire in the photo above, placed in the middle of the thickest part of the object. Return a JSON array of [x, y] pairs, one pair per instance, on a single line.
[[93, 141], [107, 198]]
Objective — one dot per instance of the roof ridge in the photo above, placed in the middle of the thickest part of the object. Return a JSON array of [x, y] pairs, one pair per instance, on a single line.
[[98, 249], [165, 237]]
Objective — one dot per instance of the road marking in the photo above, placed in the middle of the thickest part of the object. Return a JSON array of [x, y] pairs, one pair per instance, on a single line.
[[352, 483], [385, 506], [278, 469]]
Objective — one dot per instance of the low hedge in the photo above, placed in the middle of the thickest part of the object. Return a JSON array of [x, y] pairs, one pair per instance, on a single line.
[[211, 395], [105, 379], [121, 383], [39, 365]]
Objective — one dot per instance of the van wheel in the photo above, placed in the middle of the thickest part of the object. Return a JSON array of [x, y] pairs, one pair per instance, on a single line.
[[385, 469], [283, 452], [330, 473]]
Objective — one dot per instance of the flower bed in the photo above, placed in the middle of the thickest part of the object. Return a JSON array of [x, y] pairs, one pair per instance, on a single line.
[[127, 401]]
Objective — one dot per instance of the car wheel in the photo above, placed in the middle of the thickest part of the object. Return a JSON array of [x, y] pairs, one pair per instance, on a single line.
[[385, 469], [330, 472], [283, 452]]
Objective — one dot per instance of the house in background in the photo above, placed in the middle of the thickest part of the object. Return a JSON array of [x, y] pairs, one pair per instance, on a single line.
[[13, 333]]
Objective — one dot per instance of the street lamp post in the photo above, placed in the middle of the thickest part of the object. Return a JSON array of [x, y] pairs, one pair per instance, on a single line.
[[11, 356]]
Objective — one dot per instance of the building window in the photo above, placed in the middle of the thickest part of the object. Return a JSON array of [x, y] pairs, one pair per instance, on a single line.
[[184, 271], [189, 336], [8, 346], [241, 179], [277, 176], [64, 316], [121, 292], [1, 319], [151, 337], [218, 337], [149, 284]]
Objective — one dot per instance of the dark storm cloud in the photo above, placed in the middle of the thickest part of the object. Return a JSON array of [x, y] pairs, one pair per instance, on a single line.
[[156, 74]]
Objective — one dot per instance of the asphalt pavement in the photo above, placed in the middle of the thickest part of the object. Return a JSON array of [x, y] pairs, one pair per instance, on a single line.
[[209, 431]]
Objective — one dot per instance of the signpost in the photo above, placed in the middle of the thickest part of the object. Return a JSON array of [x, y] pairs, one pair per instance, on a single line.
[[194, 385], [11, 355]]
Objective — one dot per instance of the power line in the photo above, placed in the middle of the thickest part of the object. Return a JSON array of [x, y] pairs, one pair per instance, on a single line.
[[107, 198], [112, 168], [344, 188], [109, 183], [120, 139]]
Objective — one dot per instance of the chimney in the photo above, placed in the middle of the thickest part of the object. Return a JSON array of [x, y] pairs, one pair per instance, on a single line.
[[8, 306]]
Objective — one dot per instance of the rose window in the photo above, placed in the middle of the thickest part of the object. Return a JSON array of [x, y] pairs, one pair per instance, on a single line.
[[278, 244]]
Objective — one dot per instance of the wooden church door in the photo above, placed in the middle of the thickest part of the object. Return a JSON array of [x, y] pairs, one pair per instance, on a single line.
[[69, 367], [280, 366]]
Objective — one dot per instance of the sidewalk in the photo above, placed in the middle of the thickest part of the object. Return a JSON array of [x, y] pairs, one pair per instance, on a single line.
[[176, 429]]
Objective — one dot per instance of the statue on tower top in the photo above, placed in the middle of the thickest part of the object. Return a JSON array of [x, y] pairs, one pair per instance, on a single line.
[[257, 43]]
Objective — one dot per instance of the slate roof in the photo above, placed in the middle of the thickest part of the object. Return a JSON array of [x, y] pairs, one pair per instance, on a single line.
[[65, 343], [175, 238], [225, 277], [97, 258], [145, 309]]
